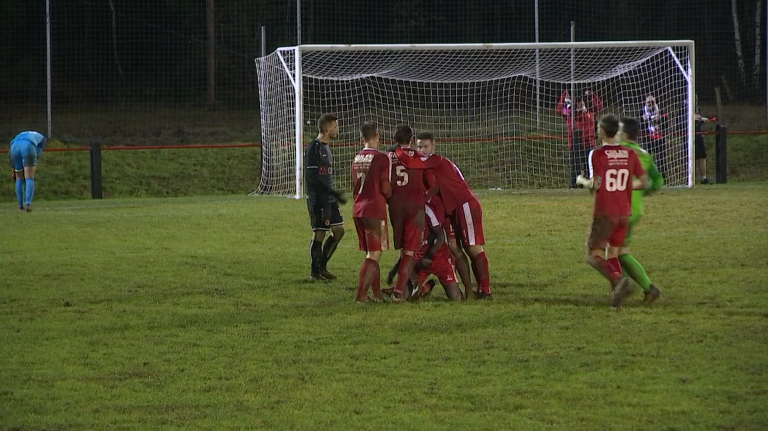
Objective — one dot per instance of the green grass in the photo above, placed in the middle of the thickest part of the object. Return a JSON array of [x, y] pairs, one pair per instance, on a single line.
[[190, 313]]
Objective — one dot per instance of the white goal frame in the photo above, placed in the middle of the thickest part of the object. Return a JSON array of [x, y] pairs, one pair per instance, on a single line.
[[296, 78]]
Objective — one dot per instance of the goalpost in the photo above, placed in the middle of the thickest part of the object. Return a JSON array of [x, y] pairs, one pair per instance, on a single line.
[[480, 101]]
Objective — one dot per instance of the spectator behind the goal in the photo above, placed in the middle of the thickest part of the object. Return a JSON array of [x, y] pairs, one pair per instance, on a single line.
[[581, 134], [654, 124], [701, 149]]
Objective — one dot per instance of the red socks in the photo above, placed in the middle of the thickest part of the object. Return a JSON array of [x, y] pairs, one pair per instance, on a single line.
[[480, 268], [364, 278], [403, 272]]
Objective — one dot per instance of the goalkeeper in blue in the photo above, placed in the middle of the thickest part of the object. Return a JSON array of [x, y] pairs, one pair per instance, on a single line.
[[26, 148], [628, 132]]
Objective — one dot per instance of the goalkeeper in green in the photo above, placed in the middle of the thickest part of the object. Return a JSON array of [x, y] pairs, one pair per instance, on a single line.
[[628, 130]]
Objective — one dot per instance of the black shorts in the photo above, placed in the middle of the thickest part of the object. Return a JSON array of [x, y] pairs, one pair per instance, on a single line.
[[323, 215], [701, 149]]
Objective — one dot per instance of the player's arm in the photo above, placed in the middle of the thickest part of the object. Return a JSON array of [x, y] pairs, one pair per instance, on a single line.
[[431, 183], [657, 181], [437, 238], [424, 162], [384, 170], [640, 179], [561, 102], [597, 103], [588, 182]]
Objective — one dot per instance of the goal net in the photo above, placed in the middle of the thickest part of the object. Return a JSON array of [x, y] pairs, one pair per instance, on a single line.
[[510, 116]]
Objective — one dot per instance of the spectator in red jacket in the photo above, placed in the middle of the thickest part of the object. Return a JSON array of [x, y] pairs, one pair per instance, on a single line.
[[581, 134]]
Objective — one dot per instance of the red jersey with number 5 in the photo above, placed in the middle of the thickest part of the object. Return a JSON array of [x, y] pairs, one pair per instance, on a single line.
[[370, 182], [612, 167], [453, 188], [408, 190]]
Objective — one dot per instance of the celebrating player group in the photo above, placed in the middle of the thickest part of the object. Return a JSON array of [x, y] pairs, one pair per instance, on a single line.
[[437, 222]]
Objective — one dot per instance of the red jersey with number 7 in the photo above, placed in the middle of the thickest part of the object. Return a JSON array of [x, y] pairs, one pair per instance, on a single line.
[[408, 188], [612, 167], [370, 182], [453, 188]]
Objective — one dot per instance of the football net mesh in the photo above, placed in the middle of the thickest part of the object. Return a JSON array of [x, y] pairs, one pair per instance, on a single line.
[[499, 120]]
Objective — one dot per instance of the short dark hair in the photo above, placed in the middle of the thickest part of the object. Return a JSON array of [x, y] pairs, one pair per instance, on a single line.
[[610, 123], [368, 130], [404, 134], [325, 121], [426, 135], [631, 127]]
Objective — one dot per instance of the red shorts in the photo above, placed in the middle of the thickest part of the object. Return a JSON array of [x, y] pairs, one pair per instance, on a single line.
[[407, 228], [450, 232], [442, 267], [469, 219], [372, 234], [607, 230]]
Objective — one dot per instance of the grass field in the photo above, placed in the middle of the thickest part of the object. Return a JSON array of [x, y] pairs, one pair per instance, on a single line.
[[190, 313]]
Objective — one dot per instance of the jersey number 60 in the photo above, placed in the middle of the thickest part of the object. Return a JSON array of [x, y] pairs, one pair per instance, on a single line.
[[616, 180]]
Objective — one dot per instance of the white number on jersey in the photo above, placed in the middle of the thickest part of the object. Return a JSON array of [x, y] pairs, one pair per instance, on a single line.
[[360, 175], [402, 176], [616, 180]]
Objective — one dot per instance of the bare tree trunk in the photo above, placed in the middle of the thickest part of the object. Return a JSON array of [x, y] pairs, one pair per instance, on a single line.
[[758, 44], [737, 39], [114, 37]]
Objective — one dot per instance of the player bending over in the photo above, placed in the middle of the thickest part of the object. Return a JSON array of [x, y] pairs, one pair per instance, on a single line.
[[434, 257], [406, 209], [371, 188], [322, 199], [628, 132], [462, 207], [611, 170], [26, 148]]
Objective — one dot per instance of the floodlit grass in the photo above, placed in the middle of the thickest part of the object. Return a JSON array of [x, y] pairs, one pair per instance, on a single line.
[[195, 313]]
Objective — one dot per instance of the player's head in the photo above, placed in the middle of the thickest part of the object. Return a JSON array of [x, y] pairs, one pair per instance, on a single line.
[[609, 126], [580, 105], [629, 128], [370, 133], [328, 125], [426, 142], [650, 101], [404, 135]]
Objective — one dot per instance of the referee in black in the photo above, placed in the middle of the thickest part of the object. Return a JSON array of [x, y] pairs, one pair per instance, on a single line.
[[322, 199]]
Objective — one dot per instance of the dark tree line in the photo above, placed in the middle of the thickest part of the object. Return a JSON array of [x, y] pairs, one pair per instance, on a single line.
[[155, 53]]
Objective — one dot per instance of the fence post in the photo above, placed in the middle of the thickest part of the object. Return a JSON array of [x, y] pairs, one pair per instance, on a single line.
[[721, 154], [95, 169]]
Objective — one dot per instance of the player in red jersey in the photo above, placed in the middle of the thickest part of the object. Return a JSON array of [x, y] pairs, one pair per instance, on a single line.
[[434, 257], [371, 188], [614, 172], [462, 207], [406, 209]]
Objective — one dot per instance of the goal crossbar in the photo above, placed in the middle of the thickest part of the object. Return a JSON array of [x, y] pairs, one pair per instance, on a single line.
[[492, 46]]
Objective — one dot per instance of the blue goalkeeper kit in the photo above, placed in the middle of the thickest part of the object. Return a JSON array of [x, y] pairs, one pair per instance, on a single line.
[[26, 147]]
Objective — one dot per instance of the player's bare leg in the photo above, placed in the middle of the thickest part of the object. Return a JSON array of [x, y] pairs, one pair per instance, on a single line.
[[368, 271], [316, 254], [480, 268], [462, 266], [329, 247], [453, 292]]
